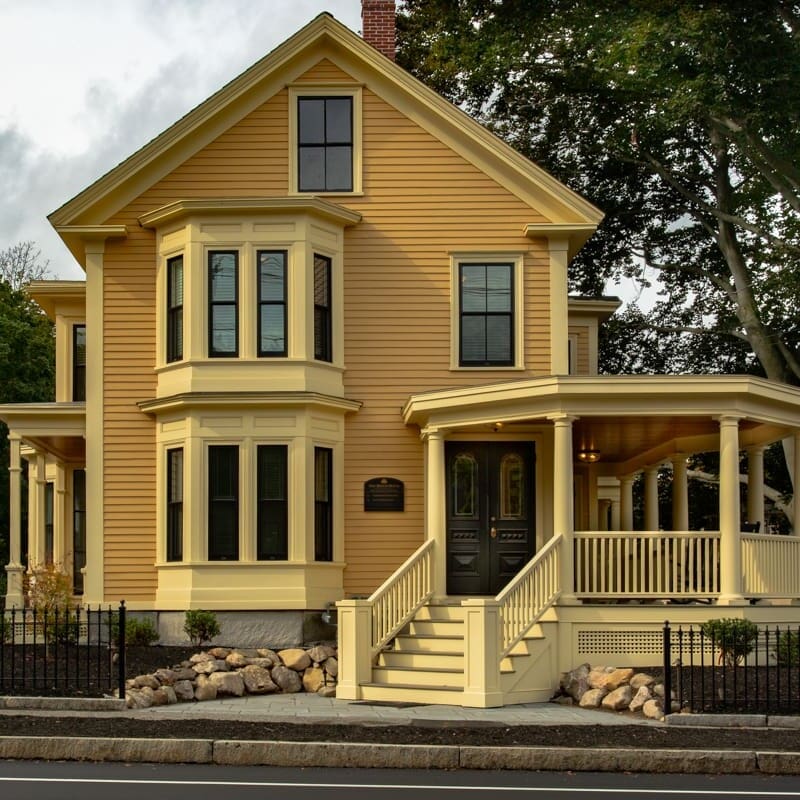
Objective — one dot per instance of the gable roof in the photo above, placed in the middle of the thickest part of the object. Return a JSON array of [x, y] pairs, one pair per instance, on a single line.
[[324, 37]]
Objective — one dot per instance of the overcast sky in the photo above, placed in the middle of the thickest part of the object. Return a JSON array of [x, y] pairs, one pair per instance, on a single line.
[[85, 83]]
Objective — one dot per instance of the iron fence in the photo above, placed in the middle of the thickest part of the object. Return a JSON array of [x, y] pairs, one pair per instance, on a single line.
[[69, 651], [733, 668]]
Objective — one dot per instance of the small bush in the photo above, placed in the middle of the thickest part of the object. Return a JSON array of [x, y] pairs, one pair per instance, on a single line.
[[201, 626], [735, 638], [49, 591], [138, 632], [787, 649]]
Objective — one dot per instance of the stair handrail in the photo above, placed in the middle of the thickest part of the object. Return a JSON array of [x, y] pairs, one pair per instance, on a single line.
[[401, 595], [532, 591]]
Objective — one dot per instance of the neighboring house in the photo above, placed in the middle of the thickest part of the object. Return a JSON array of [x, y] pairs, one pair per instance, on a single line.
[[325, 329]]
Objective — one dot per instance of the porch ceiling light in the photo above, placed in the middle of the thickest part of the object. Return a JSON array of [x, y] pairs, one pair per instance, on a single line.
[[589, 456]]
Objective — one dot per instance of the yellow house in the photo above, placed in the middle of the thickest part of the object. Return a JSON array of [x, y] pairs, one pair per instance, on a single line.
[[325, 354]]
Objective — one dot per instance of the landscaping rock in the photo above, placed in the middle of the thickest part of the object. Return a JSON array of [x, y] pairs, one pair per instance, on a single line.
[[295, 658], [321, 652], [265, 652], [327, 691], [236, 660], [258, 680], [592, 698], [618, 699], [332, 667], [228, 683], [640, 698], [142, 681], [574, 683], [287, 679], [166, 677], [219, 652], [184, 691], [652, 710], [618, 678], [313, 679], [209, 667], [204, 689], [641, 679]]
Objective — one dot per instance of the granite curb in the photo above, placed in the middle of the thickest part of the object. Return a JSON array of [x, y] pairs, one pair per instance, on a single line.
[[396, 756]]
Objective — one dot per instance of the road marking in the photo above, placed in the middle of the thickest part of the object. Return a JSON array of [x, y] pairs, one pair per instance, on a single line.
[[406, 786]]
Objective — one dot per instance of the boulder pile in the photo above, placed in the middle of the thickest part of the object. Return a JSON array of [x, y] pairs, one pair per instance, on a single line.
[[613, 689], [225, 672]]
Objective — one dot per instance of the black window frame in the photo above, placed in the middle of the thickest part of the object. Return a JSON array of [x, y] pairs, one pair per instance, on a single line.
[[219, 505], [283, 303], [323, 316], [174, 526], [78, 370], [486, 314], [323, 506], [49, 521], [212, 304], [174, 312], [272, 513], [325, 144], [78, 529]]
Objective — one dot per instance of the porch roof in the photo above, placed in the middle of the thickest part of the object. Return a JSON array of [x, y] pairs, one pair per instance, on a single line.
[[55, 428], [632, 420]]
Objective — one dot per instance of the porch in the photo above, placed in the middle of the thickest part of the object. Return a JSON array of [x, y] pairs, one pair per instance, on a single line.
[[587, 593]]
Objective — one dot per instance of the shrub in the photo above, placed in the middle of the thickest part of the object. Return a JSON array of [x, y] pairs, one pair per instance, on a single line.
[[735, 638], [49, 591], [787, 648], [201, 626], [138, 632]]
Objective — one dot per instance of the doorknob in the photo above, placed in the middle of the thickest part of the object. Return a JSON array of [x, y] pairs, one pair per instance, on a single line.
[[493, 532]]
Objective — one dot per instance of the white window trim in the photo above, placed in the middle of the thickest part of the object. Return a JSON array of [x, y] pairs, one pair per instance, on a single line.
[[327, 90], [516, 259], [572, 353]]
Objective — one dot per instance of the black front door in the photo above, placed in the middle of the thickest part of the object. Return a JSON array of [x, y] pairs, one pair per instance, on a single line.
[[490, 514]]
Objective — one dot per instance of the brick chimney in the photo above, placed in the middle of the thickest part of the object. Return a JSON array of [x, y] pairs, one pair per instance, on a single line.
[[377, 22]]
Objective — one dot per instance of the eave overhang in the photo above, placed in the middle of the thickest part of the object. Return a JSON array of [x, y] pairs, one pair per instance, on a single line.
[[192, 400], [55, 428], [238, 206], [49, 294], [77, 236], [602, 308]]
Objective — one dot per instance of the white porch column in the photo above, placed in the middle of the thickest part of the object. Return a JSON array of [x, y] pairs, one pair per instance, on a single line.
[[680, 494], [36, 530], [60, 545], [14, 568], [603, 507], [651, 498], [563, 520], [730, 569], [755, 486], [626, 503], [796, 484], [435, 498], [615, 516]]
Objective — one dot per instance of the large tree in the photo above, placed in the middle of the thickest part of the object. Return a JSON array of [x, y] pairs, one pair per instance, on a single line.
[[678, 119], [27, 360]]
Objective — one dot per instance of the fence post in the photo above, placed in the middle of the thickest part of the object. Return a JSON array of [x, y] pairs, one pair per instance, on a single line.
[[121, 651], [667, 669]]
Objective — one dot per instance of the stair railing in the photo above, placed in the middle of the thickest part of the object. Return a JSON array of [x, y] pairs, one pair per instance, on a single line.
[[532, 591], [401, 595]]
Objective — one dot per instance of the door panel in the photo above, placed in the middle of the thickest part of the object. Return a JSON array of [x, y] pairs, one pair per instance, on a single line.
[[490, 513]]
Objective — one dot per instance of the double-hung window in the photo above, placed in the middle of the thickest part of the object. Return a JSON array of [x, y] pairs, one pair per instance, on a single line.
[[323, 504], [325, 144], [175, 309], [323, 333], [175, 504], [271, 302], [486, 314], [273, 503], [78, 363], [223, 502], [223, 327]]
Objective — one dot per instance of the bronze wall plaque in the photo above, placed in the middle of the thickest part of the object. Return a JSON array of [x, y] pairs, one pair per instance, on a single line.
[[384, 494]]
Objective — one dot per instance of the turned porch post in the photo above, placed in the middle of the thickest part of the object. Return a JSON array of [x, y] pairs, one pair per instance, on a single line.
[[563, 519], [730, 568], [14, 568], [651, 498], [436, 519], [680, 494]]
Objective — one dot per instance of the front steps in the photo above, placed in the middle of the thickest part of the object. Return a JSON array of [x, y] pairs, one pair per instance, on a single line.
[[425, 662]]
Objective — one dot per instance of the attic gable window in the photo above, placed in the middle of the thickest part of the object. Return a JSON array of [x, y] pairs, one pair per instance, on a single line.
[[325, 144], [325, 131]]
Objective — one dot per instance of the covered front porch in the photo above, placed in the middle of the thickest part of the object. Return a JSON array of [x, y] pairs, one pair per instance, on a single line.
[[47, 441], [593, 584]]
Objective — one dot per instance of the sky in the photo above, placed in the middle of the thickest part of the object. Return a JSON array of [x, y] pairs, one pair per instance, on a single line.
[[85, 83]]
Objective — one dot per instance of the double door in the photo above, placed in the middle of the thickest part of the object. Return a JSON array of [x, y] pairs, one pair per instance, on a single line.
[[490, 514]]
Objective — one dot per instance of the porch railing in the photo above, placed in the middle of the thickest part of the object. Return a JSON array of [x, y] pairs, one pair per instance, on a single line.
[[396, 601], [529, 595], [770, 565], [647, 564]]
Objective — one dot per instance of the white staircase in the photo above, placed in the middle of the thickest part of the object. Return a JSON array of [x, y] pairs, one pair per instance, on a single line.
[[424, 663]]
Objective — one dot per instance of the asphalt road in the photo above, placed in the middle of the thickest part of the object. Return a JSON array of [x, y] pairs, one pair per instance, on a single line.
[[66, 780]]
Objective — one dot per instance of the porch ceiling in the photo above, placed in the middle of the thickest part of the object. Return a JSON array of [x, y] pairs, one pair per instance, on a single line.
[[631, 419], [55, 428]]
